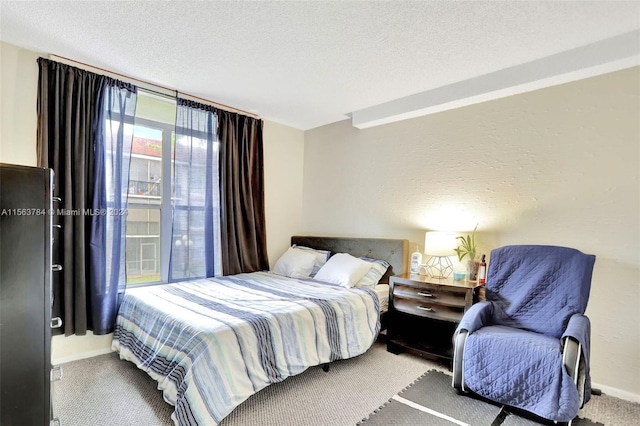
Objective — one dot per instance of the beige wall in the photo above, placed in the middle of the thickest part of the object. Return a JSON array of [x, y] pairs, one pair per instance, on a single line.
[[18, 95], [283, 156], [557, 166]]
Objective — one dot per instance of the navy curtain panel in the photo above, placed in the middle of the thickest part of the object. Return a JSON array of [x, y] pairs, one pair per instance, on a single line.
[[195, 241], [113, 140], [243, 229], [70, 110]]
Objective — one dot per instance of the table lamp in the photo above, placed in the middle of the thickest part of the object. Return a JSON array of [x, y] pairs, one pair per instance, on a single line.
[[439, 246]]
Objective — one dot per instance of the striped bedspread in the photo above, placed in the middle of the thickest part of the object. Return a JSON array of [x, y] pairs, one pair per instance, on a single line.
[[212, 343]]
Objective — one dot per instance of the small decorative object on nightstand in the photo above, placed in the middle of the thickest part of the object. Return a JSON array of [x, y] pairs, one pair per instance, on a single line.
[[416, 260], [424, 312], [482, 271]]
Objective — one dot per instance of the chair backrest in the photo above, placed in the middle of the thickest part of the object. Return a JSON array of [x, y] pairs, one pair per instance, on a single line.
[[538, 288]]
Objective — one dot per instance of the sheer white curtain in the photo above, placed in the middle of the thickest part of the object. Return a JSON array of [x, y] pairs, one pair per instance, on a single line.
[[195, 250]]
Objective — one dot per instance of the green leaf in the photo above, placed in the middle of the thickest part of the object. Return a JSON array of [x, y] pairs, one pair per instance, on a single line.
[[467, 245]]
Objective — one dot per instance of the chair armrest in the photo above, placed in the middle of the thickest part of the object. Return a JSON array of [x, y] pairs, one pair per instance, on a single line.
[[575, 354], [457, 378], [477, 316], [577, 327], [571, 353]]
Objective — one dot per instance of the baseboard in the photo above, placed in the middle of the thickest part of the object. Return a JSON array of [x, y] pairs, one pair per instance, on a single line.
[[81, 355], [617, 393]]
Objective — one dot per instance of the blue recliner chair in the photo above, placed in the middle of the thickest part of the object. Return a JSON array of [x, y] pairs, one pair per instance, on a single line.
[[527, 345]]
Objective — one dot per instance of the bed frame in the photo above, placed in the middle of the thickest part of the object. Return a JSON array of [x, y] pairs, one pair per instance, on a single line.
[[394, 251]]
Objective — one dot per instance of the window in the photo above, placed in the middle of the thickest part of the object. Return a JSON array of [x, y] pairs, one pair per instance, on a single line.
[[148, 226]]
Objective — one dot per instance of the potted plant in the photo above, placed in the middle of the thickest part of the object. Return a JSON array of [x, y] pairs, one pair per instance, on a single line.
[[467, 247]]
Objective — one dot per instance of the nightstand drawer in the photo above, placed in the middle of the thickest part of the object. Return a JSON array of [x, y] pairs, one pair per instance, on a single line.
[[427, 295], [428, 309]]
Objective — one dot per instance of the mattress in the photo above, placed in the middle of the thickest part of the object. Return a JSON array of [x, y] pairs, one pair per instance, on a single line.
[[212, 343], [382, 291]]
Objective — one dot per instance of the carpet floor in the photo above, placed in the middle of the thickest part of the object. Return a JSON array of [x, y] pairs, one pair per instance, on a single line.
[[107, 391]]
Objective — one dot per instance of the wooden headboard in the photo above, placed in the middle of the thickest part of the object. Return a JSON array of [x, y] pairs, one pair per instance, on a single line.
[[395, 252]]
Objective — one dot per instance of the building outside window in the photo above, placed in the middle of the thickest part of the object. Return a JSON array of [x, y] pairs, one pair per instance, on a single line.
[[148, 227]]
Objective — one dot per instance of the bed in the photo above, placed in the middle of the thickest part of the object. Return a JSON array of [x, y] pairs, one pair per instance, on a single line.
[[212, 343]]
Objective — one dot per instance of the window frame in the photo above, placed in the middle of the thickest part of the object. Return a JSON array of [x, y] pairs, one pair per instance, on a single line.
[[166, 199]]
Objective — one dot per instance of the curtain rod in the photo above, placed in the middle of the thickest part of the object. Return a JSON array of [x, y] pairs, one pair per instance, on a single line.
[[216, 104]]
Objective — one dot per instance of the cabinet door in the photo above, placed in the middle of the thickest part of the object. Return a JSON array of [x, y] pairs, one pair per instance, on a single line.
[[25, 337]]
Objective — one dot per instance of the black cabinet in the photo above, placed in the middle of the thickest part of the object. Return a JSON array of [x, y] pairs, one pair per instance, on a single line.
[[425, 312], [25, 295]]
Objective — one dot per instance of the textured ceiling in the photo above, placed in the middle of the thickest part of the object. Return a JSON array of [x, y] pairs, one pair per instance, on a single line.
[[307, 64]]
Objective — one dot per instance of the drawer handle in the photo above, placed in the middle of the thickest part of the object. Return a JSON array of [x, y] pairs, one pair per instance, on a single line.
[[56, 322], [425, 294], [56, 373], [425, 308], [56, 268]]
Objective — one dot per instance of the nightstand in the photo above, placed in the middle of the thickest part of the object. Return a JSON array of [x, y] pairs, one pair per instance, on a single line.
[[424, 313]]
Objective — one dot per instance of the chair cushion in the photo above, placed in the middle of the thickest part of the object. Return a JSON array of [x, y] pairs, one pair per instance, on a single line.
[[538, 288], [521, 369]]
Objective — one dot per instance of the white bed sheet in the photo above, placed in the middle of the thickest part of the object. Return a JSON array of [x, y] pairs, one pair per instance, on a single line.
[[382, 290]]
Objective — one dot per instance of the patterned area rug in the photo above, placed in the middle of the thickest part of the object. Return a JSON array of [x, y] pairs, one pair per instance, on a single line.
[[431, 400]]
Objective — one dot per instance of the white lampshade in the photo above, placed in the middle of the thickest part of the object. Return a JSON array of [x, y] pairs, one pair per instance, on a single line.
[[438, 243]]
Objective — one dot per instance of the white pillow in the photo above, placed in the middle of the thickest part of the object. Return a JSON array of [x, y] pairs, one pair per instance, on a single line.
[[321, 257], [373, 276], [295, 263], [343, 269]]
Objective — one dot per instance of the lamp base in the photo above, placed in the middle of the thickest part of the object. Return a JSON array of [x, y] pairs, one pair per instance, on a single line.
[[439, 267]]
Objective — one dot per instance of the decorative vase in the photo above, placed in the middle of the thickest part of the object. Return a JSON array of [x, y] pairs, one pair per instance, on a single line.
[[472, 270]]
